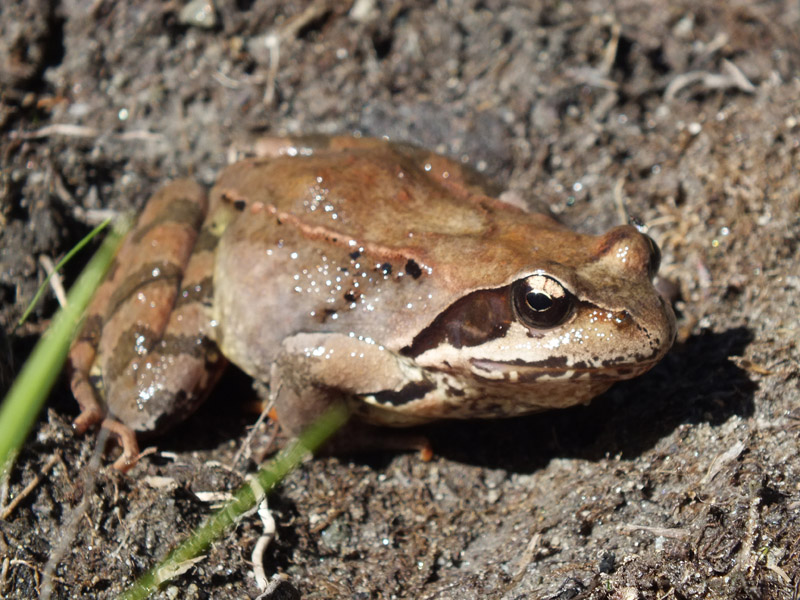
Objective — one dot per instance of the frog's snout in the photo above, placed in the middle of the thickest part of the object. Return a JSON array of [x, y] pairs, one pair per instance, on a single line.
[[632, 251]]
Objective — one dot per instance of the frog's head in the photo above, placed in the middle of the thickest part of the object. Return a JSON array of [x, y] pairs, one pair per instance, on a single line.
[[587, 312]]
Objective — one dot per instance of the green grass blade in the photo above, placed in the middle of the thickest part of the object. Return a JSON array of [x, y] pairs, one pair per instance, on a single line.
[[77, 248], [31, 387], [244, 499]]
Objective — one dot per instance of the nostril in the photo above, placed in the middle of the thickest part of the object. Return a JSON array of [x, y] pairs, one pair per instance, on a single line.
[[655, 257]]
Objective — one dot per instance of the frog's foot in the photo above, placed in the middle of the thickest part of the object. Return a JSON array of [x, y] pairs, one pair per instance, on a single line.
[[127, 440], [93, 414], [358, 438], [126, 437], [88, 418]]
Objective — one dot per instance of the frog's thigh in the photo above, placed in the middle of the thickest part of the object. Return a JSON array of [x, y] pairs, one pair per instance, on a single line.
[[315, 370], [162, 379], [173, 216]]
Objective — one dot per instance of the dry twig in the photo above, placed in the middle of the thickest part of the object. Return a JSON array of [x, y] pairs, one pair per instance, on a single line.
[[29, 488]]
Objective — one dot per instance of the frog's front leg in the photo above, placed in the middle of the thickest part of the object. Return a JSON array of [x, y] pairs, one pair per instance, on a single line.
[[144, 359], [317, 370]]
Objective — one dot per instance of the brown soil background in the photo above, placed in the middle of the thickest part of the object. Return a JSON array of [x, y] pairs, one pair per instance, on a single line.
[[684, 483]]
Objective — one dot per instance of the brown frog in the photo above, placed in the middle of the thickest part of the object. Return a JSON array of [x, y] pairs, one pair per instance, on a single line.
[[366, 272]]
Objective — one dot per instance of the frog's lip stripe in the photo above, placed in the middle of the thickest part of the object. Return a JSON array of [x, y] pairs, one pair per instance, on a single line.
[[532, 372]]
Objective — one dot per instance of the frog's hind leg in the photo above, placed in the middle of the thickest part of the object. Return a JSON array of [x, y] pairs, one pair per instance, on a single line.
[[83, 366], [135, 365]]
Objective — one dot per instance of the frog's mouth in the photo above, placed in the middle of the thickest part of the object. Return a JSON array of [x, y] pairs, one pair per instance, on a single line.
[[556, 369]]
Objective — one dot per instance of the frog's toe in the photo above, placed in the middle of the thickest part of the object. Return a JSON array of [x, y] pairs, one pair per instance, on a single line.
[[89, 417], [125, 462], [127, 439], [360, 438]]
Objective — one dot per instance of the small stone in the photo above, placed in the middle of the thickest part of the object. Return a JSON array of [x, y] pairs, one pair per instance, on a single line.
[[199, 13]]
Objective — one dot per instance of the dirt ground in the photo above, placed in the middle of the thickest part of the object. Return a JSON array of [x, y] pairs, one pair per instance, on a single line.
[[684, 483]]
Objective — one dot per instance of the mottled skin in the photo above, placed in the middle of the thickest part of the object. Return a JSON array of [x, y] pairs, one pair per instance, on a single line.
[[366, 272]]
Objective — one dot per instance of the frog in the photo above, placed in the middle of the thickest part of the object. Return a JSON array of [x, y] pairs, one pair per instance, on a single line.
[[365, 273]]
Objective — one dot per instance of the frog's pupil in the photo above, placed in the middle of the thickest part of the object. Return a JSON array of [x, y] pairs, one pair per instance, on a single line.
[[539, 301]]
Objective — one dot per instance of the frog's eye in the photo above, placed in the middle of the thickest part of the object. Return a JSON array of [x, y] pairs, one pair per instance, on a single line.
[[541, 302]]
